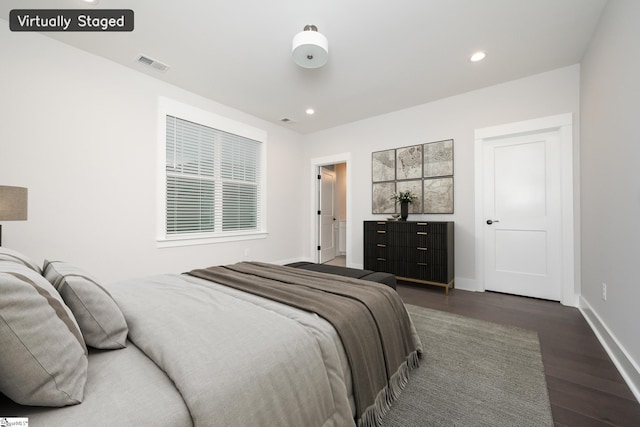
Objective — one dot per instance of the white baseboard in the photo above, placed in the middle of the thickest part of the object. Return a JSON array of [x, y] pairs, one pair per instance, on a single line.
[[627, 367], [465, 284]]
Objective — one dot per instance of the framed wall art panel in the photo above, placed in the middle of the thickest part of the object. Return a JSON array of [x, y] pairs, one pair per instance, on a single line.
[[438, 195], [409, 162], [415, 187], [382, 198], [383, 166], [438, 158]]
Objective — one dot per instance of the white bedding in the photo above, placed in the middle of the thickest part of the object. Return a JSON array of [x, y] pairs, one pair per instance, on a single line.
[[124, 387], [238, 359], [204, 354]]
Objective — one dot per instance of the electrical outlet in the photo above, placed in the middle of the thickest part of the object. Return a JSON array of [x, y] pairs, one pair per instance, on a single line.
[[604, 291]]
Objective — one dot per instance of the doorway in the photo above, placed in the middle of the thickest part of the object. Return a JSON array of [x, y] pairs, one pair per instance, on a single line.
[[524, 209], [332, 214], [331, 206]]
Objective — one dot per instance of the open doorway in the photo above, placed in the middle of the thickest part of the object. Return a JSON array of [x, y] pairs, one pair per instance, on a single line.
[[332, 214]]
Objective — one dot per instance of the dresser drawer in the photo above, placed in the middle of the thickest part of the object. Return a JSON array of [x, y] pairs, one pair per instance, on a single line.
[[380, 251], [431, 273], [375, 233], [379, 232], [424, 255]]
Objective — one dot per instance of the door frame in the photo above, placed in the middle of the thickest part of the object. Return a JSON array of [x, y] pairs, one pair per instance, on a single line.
[[321, 171], [316, 163], [563, 124]]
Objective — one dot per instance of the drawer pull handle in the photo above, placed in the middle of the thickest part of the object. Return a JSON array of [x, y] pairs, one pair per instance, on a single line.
[[381, 231], [380, 245], [380, 259], [422, 233], [422, 249], [423, 264], [381, 223], [423, 223]]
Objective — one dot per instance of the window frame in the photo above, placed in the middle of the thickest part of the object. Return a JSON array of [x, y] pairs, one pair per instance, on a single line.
[[170, 107]]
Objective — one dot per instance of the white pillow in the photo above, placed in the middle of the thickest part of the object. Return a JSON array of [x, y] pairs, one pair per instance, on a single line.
[[11, 255], [43, 357], [102, 323]]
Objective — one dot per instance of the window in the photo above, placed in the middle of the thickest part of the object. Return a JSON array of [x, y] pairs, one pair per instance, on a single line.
[[212, 177]]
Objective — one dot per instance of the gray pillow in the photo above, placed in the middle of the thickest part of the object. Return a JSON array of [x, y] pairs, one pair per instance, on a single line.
[[43, 358], [11, 255], [102, 323]]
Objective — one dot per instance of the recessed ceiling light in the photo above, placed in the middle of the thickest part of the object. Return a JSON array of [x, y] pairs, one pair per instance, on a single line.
[[478, 56], [310, 111], [91, 1]]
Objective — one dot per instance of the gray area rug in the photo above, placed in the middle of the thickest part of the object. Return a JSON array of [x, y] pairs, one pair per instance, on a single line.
[[473, 373]]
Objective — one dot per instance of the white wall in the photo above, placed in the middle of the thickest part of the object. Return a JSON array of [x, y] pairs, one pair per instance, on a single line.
[[610, 160], [546, 94], [80, 132]]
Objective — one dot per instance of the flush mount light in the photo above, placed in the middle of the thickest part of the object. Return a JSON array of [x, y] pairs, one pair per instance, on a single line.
[[478, 56], [310, 111], [91, 1], [310, 49]]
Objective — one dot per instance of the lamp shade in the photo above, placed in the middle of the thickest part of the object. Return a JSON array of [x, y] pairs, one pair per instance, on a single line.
[[310, 49], [13, 203]]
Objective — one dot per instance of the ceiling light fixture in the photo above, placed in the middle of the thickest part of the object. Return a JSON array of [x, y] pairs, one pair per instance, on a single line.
[[310, 49], [91, 1], [310, 111], [478, 56]]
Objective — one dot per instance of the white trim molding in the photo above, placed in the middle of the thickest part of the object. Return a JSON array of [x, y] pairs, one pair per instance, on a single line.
[[621, 358], [315, 165], [564, 124], [167, 106]]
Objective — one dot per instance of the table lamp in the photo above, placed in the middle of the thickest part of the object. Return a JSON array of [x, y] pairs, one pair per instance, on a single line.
[[13, 205]]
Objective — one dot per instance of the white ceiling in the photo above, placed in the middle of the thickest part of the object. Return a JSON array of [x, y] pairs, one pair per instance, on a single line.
[[383, 55]]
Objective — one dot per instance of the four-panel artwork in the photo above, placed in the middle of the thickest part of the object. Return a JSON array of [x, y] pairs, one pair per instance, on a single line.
[[426, 170]]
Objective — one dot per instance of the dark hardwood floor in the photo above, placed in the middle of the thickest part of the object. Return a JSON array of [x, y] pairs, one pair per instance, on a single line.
[[585, 387]]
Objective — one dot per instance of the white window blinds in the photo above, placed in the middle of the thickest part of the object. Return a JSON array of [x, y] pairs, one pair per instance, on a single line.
[[212, 178]]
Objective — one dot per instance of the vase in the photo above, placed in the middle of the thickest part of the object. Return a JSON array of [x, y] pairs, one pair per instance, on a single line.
[[404, 210]]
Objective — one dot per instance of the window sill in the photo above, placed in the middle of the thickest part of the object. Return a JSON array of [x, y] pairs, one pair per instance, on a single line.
[[171, 242]]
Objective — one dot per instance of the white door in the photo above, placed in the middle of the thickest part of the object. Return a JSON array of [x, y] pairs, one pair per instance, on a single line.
[[523, 215], [327, 218]]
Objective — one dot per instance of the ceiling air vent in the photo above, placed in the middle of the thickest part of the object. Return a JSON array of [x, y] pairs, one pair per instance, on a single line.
[[286, 120], [152, 63]]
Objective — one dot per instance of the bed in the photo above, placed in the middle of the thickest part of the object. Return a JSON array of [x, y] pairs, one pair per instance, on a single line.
[[248, 344]]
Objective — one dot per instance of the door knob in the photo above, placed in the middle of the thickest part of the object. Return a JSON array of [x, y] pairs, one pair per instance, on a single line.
[[489, 221]]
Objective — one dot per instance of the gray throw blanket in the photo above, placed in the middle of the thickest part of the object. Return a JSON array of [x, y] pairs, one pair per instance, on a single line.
[[370, 318]]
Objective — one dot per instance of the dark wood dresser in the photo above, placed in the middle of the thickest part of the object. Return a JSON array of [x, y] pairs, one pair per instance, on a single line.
[[414, 251]]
